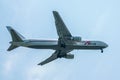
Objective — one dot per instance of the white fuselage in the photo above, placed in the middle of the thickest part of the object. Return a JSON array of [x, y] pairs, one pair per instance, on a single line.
[[53, 44]]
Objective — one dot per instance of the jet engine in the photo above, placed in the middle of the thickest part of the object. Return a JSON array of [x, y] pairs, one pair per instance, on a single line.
[[69, 56], [76, 38]]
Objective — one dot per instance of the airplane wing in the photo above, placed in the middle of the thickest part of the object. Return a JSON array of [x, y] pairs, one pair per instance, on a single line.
[[51, 58], [62, 30]]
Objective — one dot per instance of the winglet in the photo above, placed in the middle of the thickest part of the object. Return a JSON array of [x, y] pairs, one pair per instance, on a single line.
[[56, 16]]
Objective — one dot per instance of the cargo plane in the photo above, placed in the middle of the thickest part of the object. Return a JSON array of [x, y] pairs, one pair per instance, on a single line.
[[62, 46]]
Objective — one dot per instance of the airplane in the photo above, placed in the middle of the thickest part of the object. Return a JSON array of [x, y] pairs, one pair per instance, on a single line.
[[62, 46]]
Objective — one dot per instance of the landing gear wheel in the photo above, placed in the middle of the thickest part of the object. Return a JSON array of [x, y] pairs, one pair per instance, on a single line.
[[63, 45]]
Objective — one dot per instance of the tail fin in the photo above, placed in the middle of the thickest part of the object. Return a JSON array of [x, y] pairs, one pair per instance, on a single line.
[[16, 37]]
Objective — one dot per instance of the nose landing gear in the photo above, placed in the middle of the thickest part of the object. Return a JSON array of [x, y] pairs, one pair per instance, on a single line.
[[101, 50]]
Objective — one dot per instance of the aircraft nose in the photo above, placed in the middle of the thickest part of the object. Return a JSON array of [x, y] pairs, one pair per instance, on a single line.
[[106, 45]]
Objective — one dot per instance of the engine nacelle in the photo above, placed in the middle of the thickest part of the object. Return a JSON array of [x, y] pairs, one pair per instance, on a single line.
[[76, 38], [69, 56]]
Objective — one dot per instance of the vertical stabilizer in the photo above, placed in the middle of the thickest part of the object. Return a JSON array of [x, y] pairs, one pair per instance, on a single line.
[[16, 37]]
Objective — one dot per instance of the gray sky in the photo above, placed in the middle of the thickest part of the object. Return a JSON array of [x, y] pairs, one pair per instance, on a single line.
[[90, 19]]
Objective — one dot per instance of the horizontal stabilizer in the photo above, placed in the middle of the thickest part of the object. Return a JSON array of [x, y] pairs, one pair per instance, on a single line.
[[12, 47]]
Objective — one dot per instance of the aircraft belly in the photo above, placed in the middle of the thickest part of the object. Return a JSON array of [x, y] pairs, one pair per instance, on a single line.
[[54, 45], [86, 47], [43, 45]]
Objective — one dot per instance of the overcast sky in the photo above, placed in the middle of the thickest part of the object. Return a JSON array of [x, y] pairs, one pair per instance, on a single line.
[[90, 19]]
